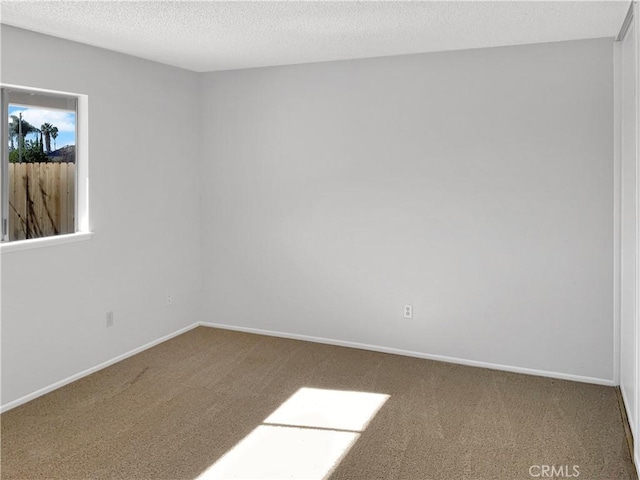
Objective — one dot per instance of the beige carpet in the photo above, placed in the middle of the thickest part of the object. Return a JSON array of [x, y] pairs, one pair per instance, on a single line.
[[173, 411]]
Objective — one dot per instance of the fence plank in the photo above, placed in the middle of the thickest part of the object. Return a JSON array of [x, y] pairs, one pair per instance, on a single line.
[[71, 196], [39, 174], [45, 199], [19, 200], [13, 216], [62, 198], [55, 196], [49, 212], [31, 217]]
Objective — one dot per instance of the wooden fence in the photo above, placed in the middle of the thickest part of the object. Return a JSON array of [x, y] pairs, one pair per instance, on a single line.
[[41, 199]]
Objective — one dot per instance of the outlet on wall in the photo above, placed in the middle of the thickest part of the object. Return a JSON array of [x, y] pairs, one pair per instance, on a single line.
[[169, 299], [109, 318], [408, 311]]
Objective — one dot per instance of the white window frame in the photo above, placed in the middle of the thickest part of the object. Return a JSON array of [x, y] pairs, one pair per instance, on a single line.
[[82, 225]]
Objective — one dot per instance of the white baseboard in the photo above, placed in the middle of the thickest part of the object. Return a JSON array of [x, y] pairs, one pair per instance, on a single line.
[[408, 353], [636, 445], [89, 371], [626, 406]]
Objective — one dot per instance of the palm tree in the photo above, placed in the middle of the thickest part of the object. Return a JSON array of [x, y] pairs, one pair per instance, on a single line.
[[11, 137], [54, 135], [15, 128], [46, 130]]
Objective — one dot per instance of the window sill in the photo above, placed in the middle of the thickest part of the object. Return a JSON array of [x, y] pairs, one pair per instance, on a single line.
[[20, 245]]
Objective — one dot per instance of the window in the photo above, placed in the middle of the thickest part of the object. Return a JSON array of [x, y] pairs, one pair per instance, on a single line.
[[43, 178]]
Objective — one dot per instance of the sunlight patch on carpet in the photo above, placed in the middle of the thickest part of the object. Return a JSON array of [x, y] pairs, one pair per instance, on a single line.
[[305, 438], [334, 409]]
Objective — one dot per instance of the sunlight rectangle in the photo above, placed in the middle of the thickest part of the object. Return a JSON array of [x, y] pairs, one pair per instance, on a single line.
[[304, 439], [278, 453], [333, 409]]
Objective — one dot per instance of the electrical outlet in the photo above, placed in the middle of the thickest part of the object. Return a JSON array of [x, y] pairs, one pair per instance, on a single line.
[[109, 317], [408, 311], [169, 299]]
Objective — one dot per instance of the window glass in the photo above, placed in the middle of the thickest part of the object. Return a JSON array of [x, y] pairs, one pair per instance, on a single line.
[[39, 165]]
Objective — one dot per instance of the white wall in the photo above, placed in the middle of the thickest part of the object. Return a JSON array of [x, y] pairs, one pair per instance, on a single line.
[[629, 219], [636, 14], [476, 185], [144, 194]]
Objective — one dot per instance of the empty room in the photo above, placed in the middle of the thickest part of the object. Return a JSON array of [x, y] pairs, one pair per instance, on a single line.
[[320, 240]]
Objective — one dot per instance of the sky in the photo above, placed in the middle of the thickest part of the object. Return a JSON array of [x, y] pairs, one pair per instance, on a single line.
[[63, 119]]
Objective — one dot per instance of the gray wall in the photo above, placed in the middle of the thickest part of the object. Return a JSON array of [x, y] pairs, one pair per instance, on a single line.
[[475, 185], [629, 338], [144, 194]]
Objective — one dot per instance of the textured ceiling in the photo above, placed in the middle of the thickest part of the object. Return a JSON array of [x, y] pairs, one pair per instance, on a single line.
[[207, 35]]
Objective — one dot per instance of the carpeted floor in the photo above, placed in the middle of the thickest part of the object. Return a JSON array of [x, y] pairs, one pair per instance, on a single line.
[[173, 411]]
